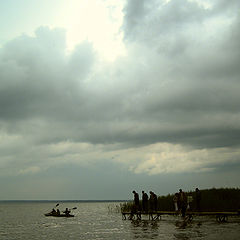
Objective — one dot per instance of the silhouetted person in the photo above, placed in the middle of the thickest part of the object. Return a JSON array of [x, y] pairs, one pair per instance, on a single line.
[[136, 200], [189, 202], [155, 201], [175, 201], [182, 202], [67, 212], [198, 199], [53, 212], [58, 212], [135, 206], [151, 201], [144, 201]]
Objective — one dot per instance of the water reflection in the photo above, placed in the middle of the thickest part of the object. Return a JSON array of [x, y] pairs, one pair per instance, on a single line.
[[144, 229], [187, 229], [182, 229], [182, 224]]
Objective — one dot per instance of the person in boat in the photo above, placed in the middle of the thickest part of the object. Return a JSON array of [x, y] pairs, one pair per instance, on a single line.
[[53, 212], [58, 212], [67, 212]]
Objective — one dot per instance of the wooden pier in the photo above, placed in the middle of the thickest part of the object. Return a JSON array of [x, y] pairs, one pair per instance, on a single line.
[[156, 215]]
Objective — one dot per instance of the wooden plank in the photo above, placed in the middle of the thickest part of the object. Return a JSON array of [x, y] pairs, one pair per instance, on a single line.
[[220, 216], [188, 212]]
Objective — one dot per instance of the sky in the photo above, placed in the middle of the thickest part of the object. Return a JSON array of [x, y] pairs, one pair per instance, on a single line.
[[102, 97]]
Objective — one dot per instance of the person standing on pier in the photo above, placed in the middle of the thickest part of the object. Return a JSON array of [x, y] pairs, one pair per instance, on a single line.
[[136, 200], [182, 202], [151, 201], [175, 201], [135, 206], [198, 199], [155, 200], [144, 202]]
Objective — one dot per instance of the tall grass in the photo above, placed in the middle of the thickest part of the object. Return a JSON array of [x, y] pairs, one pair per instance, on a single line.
[[222, 199]]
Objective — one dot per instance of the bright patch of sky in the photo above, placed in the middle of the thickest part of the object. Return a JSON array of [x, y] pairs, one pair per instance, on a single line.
[[96, 21]]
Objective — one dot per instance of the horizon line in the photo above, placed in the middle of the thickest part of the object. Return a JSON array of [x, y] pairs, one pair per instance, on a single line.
[[62, 200]]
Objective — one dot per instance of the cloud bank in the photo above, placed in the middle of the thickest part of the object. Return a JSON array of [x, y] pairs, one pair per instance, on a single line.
[[170, 105]]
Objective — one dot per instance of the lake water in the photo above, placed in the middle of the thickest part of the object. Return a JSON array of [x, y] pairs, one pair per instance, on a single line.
[[93, 220]]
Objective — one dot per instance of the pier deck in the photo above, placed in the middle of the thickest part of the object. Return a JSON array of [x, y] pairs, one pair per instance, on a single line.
[[156, 215]]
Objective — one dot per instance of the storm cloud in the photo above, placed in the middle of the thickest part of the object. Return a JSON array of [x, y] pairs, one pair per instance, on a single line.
[[174, 95]]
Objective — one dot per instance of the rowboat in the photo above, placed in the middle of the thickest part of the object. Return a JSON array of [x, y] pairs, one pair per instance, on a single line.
[[58, 215]]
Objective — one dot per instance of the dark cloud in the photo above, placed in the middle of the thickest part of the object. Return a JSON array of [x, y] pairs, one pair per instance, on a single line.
[[38, 80], [153, 21], [173, 86], [194, 96], [167, 112]]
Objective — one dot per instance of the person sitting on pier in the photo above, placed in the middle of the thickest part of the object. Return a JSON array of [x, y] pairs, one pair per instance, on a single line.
[[144, 202], [53, 212]]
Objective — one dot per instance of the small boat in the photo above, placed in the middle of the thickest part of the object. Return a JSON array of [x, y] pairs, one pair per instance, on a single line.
[[58, 215]]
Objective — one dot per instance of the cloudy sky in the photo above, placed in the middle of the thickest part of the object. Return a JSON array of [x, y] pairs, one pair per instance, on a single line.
[[101, 97]]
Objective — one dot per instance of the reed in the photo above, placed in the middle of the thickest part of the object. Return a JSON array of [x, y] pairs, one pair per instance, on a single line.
[[221, 199]]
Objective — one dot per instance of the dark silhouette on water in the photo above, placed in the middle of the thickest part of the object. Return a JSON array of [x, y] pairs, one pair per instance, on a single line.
[[67, 211], [144, 202], [53, 211], [57, 213]]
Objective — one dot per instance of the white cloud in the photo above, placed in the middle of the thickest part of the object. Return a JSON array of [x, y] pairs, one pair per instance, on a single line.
[[95, 21], [164, 158], [29, 170]]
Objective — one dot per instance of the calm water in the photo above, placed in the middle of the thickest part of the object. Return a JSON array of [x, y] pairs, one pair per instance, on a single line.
[[95, 221]]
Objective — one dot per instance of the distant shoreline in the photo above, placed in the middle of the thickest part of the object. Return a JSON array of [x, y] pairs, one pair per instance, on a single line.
[[59, 201]]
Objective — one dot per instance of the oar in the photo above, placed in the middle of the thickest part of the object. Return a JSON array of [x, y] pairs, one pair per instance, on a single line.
[[70, 209], [56, 206]]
